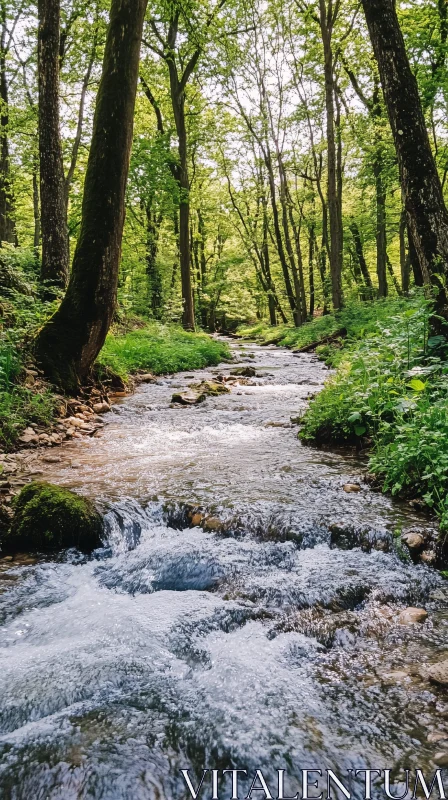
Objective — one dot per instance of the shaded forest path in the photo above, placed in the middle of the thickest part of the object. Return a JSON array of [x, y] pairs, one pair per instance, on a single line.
[[232, 619]]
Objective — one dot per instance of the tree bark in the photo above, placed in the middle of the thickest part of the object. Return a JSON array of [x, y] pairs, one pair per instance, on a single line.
[[311, 251], [359, 254], [70, 341], [152, 270], [326, 25], [405, 261], [52, 184], [381, 242], [177, 88], [425, 207], [7, 225]]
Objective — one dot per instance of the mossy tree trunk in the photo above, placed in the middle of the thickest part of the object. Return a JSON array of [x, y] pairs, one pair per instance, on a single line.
[[425, 207], [70, 341], [54, 231]]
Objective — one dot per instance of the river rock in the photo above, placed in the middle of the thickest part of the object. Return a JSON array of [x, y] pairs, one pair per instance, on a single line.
[[101, 408], [351, 487], [211, 388], [413, 540], [436, 736], [245, 372], [196, 520], [411, 616], [438, 673], [147, 377], [428, 557], [188, 398], [49, 517], [441, 758], [213, 524]]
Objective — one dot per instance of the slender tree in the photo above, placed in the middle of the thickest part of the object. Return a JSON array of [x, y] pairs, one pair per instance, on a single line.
[[7, 224], [425, 207], [70, 341], [52, 184]]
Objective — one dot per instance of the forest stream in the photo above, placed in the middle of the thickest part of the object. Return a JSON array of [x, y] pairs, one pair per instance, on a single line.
[[244, 611]]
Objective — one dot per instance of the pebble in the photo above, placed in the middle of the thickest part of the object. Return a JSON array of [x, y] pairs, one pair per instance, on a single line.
[[351, 487]]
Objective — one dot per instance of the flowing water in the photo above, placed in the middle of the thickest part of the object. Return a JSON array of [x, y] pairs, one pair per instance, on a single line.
[[242, 614]]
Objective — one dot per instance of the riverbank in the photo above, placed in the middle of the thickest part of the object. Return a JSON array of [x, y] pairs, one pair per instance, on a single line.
[[388, 394]]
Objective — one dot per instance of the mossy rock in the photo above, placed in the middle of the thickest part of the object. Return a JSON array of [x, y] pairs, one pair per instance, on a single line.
[[48, 517]]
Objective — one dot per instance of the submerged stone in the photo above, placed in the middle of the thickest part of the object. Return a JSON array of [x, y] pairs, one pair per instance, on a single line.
[[245, 372], [410, 616], [49, 517]]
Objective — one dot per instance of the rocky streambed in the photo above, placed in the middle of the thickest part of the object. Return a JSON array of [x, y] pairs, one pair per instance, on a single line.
[[255, 604]]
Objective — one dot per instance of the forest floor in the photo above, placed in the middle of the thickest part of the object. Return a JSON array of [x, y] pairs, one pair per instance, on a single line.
[[388, 393]]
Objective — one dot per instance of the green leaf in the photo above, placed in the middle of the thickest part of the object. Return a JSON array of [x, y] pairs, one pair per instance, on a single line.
[[360, 430], [417, 385]]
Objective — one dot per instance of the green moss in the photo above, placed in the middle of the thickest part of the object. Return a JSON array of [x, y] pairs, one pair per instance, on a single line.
[[48, 517]]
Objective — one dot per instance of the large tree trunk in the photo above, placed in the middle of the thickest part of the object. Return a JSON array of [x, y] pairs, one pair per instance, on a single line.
[[52, 186], [7, 226], [425, 208], [326, 24], [69, 343]]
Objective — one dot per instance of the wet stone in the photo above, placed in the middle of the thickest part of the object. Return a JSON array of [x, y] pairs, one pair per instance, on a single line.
[[412, 616], [438, 673]]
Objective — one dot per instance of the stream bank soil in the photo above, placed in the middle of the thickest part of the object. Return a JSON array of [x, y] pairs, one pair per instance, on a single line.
[[246, 611]]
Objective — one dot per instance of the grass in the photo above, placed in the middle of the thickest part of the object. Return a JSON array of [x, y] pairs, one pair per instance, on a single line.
[[160, 349], [389, 391]]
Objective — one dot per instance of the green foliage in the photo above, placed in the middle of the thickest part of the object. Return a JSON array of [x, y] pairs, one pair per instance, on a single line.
[[49, 517], [20, 316], [160, 349], [391, 389]]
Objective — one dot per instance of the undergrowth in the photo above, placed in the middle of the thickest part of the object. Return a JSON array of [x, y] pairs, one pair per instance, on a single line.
[[160, 349]]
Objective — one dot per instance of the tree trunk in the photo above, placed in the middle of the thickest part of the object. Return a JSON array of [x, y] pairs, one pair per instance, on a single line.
[[7, 226], [311, 251], [70, 341], [405, 262], [381, 242], [326, 24], [414, 261], [178, 103], [52, 184], [359, 254], [36, 207], [425, 208], [152, 270]]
